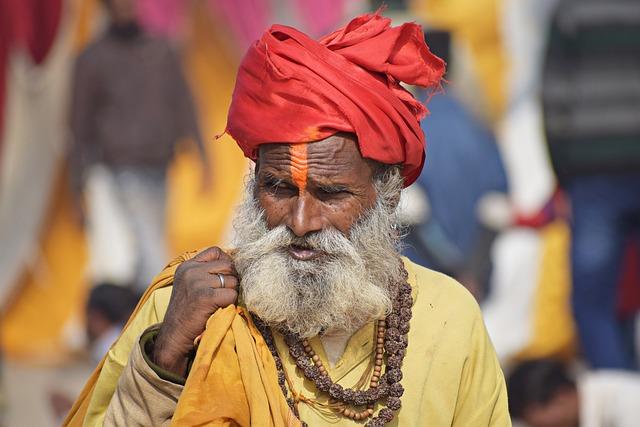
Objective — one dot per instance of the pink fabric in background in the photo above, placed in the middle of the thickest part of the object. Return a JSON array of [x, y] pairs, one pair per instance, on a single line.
[[162, 17], [318, 18], [246, 19]]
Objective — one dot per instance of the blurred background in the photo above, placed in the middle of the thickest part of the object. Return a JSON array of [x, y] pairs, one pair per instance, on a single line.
[[110, 167]]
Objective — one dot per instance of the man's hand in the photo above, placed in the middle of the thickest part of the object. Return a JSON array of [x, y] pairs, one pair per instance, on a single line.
[[197, 294]]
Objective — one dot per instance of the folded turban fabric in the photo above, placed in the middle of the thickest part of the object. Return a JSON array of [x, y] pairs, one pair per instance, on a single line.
[[293, 89]]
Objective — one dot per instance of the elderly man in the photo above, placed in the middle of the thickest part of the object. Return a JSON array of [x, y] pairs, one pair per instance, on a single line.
[[313, 318]]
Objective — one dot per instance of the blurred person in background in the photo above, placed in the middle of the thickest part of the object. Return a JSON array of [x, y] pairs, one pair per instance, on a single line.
[[451, 237], [591, 102], [130, 107], [543, 393], [108, 308]]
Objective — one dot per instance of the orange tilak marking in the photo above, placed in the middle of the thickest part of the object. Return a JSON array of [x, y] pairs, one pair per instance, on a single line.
[[299, 166]]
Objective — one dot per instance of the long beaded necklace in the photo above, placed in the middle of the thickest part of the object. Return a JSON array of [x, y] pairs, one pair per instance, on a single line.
[[391, 340]]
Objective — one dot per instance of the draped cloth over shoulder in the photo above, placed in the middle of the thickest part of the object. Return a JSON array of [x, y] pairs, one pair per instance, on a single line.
[[292, 89], [78, 412], [233, 379]]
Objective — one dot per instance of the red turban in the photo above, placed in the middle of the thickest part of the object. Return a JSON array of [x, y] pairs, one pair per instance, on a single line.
[[291, 89]]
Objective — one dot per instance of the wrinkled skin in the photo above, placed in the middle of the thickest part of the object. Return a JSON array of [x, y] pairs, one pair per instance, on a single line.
[[325, 184]]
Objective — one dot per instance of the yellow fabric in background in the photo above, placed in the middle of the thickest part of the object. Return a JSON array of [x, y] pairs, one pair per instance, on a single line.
[[553, 328], [54, 287], [86, 11], [49, 298], [52, 293], [477, 24], [194, 219]]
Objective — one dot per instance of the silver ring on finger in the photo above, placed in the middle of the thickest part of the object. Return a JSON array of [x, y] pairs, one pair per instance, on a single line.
[[221, 277]]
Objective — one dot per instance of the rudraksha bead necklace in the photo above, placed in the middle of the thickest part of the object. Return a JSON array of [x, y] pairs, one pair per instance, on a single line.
[[373, 383], [390, 340]]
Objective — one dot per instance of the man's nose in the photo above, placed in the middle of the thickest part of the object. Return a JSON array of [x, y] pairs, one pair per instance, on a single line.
[[306, 216]]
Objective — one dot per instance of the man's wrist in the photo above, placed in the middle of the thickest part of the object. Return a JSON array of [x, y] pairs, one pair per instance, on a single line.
[[168, 361]]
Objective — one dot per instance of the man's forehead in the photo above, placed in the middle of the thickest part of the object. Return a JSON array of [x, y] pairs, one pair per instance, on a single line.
[[339, 147], [334, 156]]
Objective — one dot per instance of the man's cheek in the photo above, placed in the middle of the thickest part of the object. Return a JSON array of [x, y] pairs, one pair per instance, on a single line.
[[345, 215], [266, 201], [275, 213]]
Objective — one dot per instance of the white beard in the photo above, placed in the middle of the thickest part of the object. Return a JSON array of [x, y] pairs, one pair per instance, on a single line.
[[351, 284]]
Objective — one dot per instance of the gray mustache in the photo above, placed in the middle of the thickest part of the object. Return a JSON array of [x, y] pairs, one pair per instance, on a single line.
[[330, 241]]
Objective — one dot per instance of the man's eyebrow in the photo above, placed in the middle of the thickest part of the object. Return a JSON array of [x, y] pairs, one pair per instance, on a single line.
[[271, 179], [333, 187]]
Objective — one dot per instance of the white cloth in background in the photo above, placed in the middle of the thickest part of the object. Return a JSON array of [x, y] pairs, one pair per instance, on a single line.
[[111, 247], [508, 310], [126, 225], [517, 252], [609, 399], [520, 133], [414, 206], [144, 196]]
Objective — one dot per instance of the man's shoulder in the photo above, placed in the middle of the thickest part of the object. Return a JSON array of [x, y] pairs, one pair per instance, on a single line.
[[160, 300], [438, 293], [447, 324]]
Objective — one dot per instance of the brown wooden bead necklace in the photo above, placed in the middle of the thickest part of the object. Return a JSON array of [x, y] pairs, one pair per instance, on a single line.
[[374, 368], [391, 341]]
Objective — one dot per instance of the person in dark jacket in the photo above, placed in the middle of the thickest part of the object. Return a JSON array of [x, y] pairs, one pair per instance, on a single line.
[[131, 105], [591, 102]]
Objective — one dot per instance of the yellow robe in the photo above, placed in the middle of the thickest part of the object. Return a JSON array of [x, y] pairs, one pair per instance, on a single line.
[[451, 373]]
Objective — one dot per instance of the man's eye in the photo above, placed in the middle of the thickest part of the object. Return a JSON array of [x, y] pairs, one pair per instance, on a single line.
[[281, 187], [278, 187], [332, 192]]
